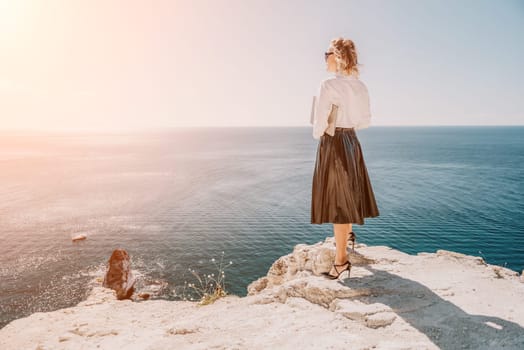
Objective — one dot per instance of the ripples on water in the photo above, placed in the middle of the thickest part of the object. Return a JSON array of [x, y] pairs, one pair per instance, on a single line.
[[176, 199]]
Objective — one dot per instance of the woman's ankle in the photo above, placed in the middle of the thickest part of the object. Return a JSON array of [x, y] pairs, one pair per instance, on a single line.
[[341, 261]]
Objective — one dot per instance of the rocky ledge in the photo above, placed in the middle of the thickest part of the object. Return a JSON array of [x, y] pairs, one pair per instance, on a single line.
[[392, 300]]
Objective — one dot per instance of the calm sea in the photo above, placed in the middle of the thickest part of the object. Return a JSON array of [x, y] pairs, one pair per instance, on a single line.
[[176, 199]]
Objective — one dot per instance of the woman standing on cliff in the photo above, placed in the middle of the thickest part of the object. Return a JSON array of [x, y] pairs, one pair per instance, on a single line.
[[341, 188]]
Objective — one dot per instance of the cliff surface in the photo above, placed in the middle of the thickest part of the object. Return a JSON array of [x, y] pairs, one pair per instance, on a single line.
[[392, 300]]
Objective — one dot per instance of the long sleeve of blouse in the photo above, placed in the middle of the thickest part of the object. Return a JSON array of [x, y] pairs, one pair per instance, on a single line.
[[351, 96]]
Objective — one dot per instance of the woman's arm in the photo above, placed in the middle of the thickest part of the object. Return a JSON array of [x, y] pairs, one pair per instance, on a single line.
[[323, 107], [365, 119]]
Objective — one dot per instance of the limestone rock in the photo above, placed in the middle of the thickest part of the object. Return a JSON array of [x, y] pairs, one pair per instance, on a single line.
[[119, 276], [392, 300]]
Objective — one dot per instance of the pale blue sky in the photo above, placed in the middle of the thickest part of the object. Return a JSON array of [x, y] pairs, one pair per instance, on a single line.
[[148, 64]]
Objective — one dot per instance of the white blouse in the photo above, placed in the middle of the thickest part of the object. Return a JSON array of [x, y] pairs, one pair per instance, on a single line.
[[351, 96]]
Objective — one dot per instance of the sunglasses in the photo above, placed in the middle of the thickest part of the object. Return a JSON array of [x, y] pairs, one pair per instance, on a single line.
[[326, 55]]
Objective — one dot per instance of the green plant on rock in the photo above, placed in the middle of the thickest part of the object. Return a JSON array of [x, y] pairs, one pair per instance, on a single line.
[[209, 287]]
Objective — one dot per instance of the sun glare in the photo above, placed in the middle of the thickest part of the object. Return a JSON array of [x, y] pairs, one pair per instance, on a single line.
[[12, 15]]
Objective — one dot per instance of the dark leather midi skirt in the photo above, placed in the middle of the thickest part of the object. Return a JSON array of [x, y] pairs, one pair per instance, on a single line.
[[341, 188]]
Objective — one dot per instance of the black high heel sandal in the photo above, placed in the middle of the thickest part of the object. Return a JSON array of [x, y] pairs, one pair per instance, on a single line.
[[348, 268], [352, 237]]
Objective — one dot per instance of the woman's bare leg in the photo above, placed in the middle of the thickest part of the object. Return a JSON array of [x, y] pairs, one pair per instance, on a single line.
[[341, 232]]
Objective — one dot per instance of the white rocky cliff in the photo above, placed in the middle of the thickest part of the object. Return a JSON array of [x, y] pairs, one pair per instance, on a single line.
[[392, 300]]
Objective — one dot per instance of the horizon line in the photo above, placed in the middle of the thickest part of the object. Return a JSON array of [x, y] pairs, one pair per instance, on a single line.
[[164, 128]]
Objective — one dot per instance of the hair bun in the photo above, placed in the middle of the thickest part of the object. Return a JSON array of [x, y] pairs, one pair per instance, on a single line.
[[349, 43], [345, 55]]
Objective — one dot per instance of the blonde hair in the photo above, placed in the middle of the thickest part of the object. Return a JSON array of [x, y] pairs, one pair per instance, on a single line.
[[345, 55]]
